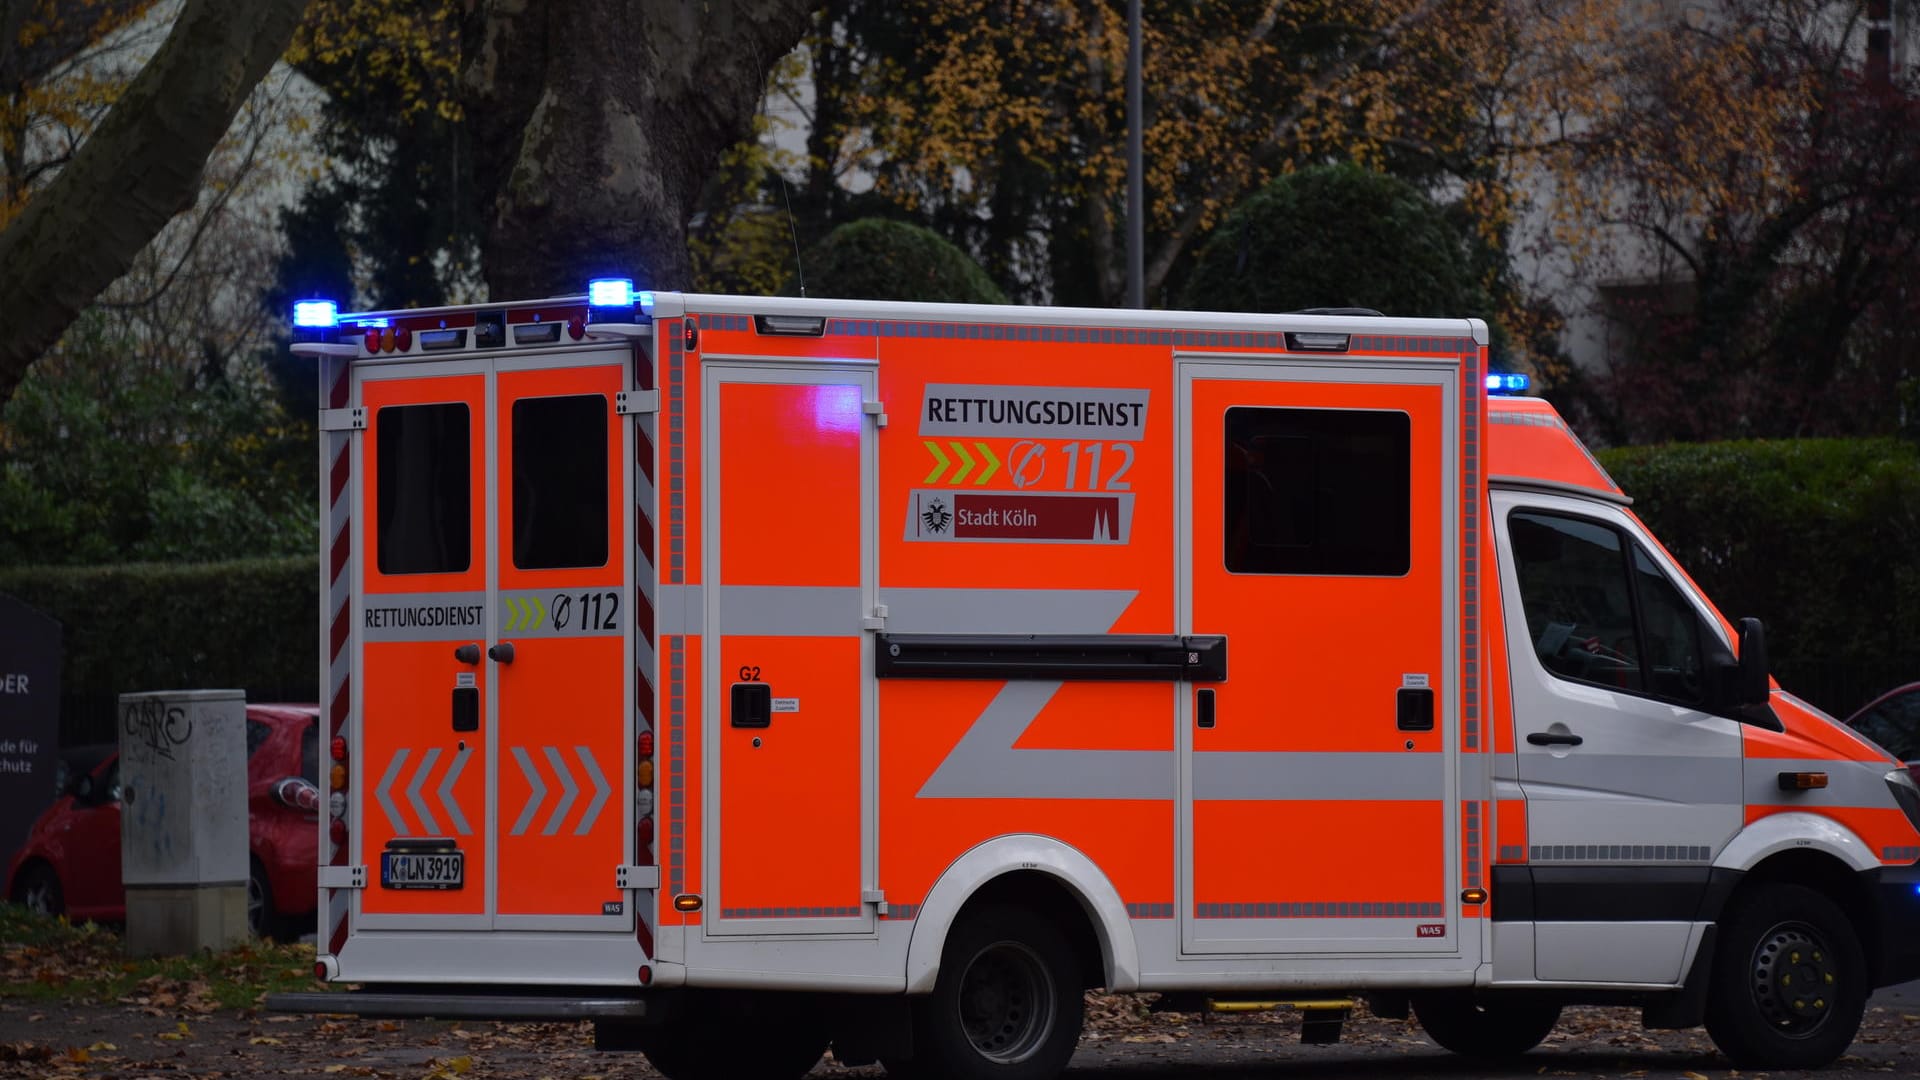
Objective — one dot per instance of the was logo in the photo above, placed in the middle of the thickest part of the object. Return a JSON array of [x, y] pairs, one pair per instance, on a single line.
[[936, 517]]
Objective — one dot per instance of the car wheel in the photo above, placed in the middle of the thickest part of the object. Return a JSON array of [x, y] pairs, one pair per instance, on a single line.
[[1789, 980], [1007, 1004], [39, 891], [1487, 1027], [259, 902]]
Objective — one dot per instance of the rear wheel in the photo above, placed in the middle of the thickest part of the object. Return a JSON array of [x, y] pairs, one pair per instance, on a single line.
[[1489, 1027], [259, 901], [39, 891], [1789, 981], [1007, 1005], [775, 1043]]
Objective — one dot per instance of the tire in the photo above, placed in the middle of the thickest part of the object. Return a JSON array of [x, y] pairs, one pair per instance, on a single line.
[[736, 1046], [1007, 1005], [260, 917], [1790, 980], [1489, 1027], [38, 890]]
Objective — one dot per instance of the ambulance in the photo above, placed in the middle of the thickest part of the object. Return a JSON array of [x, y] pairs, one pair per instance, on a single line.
[[754, 676]]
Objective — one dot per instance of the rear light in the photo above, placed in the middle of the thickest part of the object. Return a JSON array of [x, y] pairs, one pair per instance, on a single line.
[[643, 774], [646, 975], [296, 793], [339, 748], [577, 327], [337, 805], [320, 970], [646, 744], [337, 829], [337, 778], [643, 831], [373, 339], [402, 338]]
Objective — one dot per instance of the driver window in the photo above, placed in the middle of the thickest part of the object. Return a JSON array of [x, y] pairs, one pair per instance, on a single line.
[[1673, 634], [1577, 598]]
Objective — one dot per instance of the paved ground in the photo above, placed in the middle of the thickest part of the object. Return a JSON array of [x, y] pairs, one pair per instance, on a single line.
[[156, 1036]]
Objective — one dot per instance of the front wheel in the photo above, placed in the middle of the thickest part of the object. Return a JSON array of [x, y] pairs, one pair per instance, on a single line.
[[39, 891], [1489, 1027], [1007, 1005], [1789, 981]]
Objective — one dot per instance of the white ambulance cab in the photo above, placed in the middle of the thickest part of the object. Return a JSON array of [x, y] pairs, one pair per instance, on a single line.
[[757, 675]]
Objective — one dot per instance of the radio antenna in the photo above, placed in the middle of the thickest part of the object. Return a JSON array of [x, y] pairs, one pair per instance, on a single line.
[[794, 232]]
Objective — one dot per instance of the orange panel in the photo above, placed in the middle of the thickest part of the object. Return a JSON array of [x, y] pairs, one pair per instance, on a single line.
[[790, 484], [1313, 852], [790, 792], [556, 701], [377, 394], [408, 707], [1510, 828], [1526, 437], [606, 381]]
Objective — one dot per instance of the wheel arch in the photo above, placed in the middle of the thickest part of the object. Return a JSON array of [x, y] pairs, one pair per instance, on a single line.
[[1811, 851], [1032, 870]]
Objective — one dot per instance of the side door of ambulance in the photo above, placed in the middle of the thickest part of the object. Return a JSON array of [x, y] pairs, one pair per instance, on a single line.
[[787, 505], [1631, 790], [492, 707], [1318, 799]]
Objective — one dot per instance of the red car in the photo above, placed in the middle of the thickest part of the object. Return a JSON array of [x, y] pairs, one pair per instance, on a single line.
[[70, 864]]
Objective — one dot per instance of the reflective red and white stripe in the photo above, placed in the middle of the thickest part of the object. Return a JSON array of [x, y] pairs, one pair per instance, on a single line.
[[645, 651], [337, 450]]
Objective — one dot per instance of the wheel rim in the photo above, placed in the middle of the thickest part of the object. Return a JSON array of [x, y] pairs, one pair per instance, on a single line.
[[1006, 1002], [38, 897], [1795, 979], [256, 906]]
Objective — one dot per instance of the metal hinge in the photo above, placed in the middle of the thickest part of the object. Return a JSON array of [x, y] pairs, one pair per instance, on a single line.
[[877, 620], [877, 410], [633, 402], [875, 897], [343, 877], [636, 877], [354, 419]]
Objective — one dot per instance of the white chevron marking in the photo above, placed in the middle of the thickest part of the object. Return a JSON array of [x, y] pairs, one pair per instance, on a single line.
[[447, 801], [535, 797], [427, 821], [569, 790], [394, 817], [601, 790]]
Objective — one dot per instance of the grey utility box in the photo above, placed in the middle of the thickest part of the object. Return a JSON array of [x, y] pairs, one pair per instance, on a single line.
[[183, 819]]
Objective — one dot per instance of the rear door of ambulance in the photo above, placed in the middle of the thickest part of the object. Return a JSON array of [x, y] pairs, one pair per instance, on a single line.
[[1322, 514], [493, 634]]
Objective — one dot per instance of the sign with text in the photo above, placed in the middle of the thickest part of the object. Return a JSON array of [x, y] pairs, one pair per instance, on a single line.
[[29, 719]]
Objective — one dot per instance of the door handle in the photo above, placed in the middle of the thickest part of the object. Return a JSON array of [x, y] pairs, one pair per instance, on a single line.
[[501, 653], [467, 654], [1203, 708], [1554, 738]]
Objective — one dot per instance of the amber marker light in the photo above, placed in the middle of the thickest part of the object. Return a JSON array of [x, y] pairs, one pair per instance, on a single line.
[[686, 902]]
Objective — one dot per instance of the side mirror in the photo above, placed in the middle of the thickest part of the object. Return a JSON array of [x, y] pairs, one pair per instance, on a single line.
[[1752, 687]]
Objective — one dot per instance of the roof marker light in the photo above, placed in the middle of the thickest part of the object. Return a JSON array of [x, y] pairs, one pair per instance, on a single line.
[[610, 292], [646, 302], [1506, 384], [316, 314]]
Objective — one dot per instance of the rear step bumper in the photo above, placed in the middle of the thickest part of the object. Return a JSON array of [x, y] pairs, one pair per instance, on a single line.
[[437, 1006]]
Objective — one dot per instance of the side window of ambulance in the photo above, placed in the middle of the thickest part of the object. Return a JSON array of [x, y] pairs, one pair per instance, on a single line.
[[1593, 620], [1318, 491], [425, 476], [560, 482]]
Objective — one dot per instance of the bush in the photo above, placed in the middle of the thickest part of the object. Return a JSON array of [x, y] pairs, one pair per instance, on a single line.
[[1338, 236], [1813, 536], [879, 259], [251, 625]]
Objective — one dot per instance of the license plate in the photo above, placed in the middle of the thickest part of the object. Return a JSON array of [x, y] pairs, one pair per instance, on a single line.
[[422, 870]]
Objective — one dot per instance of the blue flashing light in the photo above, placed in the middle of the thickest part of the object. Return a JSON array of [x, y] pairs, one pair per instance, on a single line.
[[364, 323], [1506, 384], [610, 292], [646, 302], [316, 314]]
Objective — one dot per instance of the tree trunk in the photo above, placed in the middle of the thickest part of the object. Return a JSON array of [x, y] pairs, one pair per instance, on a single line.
[[138, 169], [596, 122]]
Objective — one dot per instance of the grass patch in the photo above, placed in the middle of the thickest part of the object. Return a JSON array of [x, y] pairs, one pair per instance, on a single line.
[[53, 960]]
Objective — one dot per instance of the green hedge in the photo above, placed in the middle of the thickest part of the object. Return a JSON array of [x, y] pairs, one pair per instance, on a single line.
[[1819, 538], [250, 624], [879, 259]]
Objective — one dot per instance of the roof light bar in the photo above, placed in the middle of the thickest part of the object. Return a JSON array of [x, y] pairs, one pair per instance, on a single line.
[[1507, 384], [610, 292], [316, 314]]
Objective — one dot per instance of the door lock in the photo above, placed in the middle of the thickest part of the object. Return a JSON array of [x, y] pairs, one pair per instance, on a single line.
[[501, 653]]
